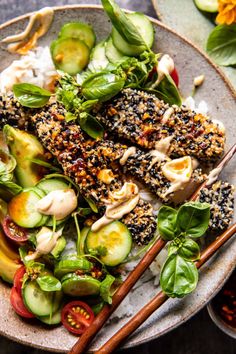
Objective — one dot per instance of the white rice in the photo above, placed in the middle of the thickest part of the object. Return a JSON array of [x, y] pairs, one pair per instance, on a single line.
[[35, 68]]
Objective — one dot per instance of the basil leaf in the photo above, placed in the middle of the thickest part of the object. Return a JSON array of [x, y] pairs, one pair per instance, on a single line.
[[105, 288], [193, 218], [30, 95], [189, 250], [11, 186], [179, 277], [102, 86], [166, 221], [173, 248], [82, 212], [48, 282], [91, 126], [122, 24], [221, 45], [168, 92], [92, 204]]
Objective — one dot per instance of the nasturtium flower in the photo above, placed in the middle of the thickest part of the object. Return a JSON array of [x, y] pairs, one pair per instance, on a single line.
[[227, 12]]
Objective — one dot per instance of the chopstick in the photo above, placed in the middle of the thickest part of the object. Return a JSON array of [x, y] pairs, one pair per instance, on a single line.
[[85, 339], [160, 298]]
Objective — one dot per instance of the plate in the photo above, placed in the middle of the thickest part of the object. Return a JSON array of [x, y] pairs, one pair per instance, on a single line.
[[190, 22], [222, 104]]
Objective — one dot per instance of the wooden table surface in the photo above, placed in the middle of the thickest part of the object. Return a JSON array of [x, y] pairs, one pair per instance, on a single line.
[[197, 336]]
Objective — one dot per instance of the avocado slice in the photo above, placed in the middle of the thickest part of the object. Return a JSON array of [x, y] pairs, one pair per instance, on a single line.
[[60, 245], [24, 147], [8, 267]]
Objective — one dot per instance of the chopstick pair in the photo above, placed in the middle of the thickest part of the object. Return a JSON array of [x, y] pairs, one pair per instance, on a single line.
[[160, 298], [86, 338]]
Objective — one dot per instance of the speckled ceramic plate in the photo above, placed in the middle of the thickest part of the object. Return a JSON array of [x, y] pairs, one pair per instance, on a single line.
[[190, 22], [222, 105]]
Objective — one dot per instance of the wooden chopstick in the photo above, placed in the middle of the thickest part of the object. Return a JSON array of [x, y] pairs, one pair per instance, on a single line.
[[85, 339], [160, 298]]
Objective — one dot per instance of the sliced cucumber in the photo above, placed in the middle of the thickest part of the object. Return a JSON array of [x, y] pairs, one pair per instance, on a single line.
[[70, 55], [113, 54], [40, 303], [23, 209], [144, 27], [116, 238], [50, 185], [77, 285], [207, 5], [52, 320], [98, 59], [79, 30], [68, 266], [60, 245]]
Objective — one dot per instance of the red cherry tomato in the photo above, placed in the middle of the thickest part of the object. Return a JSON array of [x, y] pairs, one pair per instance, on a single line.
[[175, 77], [14, 232], [77, 316], [18, 279], [18, 304]]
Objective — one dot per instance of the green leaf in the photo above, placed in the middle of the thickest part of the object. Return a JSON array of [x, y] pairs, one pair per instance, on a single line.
[[48, 282], [173, 248], [44, 164], [193, 218], [189, 250], [179, 277], [166, 222], [91, 126], [168, 91], [98, 308], [83, 212], [30, 95], [92, 204], [102, 86], [105, 288], [122, 24], [221, 45], [99, 251], [11, 186]]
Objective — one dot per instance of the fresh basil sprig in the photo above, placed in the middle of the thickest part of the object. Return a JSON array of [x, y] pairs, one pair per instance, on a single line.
[[122, 24], [48, 282], [179, 275], [105, 288], [30, 95], [221, 44]]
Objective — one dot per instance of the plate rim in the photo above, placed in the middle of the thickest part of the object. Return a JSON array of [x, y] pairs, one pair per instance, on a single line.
[[233, 94]]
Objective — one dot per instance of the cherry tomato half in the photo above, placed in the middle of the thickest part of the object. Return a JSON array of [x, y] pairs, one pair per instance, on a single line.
[[18, 279], [14, 232], [77, 316], [18, 304], [175, 77]]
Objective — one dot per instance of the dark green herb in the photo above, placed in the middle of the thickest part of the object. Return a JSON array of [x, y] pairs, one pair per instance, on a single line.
[[179, 277], [166, 90], [44, 164], [102, 86], [30, 95], [193, 218], [98, 307], [99, 251], [179, 274], [91, 126], [122, 24], [221, 44]]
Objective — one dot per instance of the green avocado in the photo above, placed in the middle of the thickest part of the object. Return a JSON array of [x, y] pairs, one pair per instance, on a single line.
[[60, 245], [24, 147]]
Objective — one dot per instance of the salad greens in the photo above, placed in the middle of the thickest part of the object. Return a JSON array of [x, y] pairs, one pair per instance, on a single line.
[[179, 275], [30, 95]]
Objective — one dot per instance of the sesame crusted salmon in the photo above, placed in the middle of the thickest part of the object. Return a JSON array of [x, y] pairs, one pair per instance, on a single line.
[[143, 119]]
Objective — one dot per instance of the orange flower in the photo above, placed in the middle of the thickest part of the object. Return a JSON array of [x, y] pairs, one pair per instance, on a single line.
[[227, 12]]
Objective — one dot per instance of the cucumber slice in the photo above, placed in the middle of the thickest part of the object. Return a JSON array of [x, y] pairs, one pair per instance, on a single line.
[[68, 266], [70, 55], [23, 211], [113, 54], [52, 320], [98, 59], [79, 30], [207, 5], [41, 194], [50, 185], [116, 238], [41, 303], [77, 285], [144, 27]]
